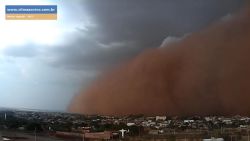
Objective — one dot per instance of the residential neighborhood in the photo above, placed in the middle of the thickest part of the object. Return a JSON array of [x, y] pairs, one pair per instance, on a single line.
[[67, 126]]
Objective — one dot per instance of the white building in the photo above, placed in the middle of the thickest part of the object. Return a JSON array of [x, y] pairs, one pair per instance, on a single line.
[[214, 139], [227, 121], [130, 124], [160, 118], [188, 121]]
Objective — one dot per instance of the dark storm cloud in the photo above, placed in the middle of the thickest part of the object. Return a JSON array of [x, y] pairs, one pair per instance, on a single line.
[[90, 55], [149, 22], [122, 29], [137, 25]]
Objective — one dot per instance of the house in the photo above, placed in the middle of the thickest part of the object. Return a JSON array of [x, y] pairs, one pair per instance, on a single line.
[[214, 139], [157, 118], [188, 121], [227, 121], [130, 124]]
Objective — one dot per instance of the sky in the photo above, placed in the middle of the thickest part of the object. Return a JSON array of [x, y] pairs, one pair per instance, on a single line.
[[43, 64]]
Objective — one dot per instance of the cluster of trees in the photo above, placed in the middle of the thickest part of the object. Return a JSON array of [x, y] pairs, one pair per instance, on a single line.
[[21, 124], [14, 123]]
